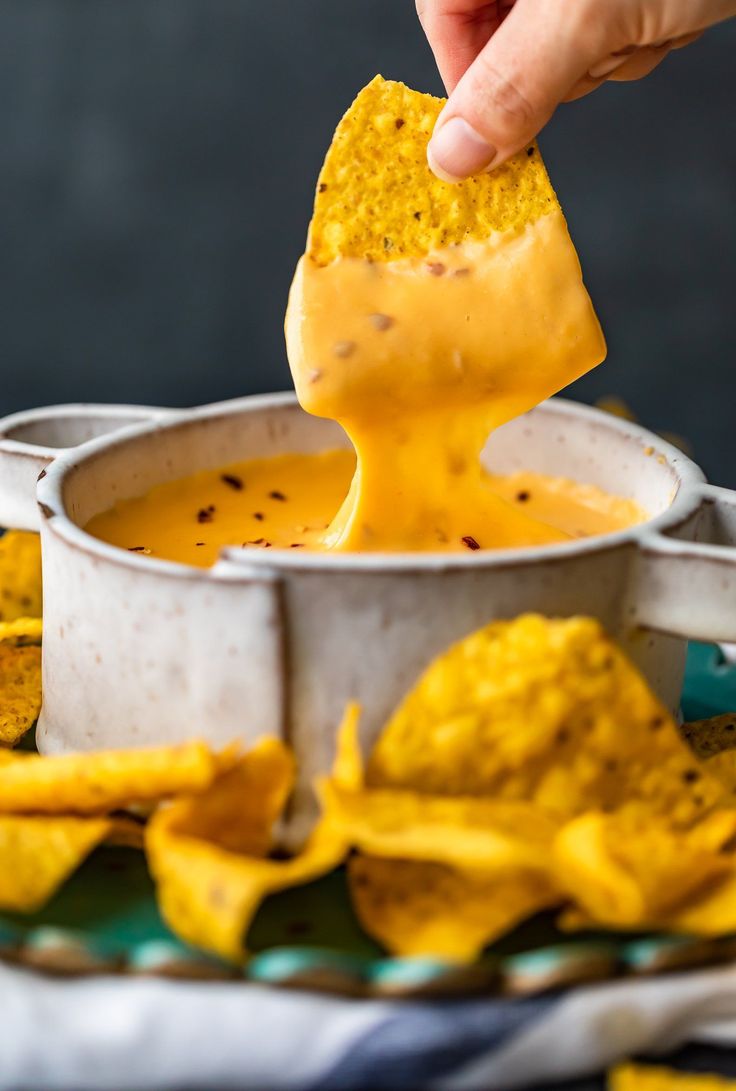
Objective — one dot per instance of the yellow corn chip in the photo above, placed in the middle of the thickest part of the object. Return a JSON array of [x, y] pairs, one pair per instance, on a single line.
[[624, 872], [208, 895], [38, 854], [20, 691], [93, 783], [239, 810], [415, 908], [21, 631], [711, 736], [20, 575], [468, 832], [639, 1077], [376, 173], [209, 865], [546, 711]]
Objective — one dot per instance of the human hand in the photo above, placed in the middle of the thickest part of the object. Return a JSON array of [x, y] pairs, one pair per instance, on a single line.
[[508, 64]]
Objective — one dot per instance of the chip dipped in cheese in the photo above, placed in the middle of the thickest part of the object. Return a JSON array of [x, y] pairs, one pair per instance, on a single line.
[[424, 315]]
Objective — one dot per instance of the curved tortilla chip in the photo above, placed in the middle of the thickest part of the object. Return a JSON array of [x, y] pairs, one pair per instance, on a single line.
[[206, 853], [467, 832], [93, 783], [623, 871]]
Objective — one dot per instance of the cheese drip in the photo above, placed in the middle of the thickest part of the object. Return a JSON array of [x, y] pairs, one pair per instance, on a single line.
[[419, 359]]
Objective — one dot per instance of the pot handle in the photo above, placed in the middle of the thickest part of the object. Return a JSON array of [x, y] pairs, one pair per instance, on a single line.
[[687, 588], [30, 440]]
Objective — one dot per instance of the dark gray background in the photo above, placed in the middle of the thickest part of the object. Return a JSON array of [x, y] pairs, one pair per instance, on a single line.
[[158, 163]]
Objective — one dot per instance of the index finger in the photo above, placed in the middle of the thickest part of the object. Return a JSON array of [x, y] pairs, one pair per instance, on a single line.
[[457, 30]]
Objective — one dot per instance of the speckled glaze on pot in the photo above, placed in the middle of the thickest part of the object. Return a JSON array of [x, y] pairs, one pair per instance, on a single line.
[[140, 651]]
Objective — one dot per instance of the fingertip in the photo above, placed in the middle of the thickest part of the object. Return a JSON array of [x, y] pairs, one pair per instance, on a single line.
[[457, 151]]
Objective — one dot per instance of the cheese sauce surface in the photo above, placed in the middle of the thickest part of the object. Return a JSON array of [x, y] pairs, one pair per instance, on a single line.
[[419, 359], [288, 501]]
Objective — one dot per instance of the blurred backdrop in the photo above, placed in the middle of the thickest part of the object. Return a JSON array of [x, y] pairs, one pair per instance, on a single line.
[[158, 162]]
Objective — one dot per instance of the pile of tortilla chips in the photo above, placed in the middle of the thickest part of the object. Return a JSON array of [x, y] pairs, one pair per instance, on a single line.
[[531, 767]]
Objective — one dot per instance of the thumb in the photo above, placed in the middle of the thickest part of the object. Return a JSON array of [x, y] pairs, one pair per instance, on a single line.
[[514, 85]]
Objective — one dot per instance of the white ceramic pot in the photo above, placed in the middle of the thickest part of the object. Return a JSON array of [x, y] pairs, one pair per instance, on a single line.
[[140, 651]]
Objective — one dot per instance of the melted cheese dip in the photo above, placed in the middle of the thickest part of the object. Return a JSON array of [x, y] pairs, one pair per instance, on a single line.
[[419, 359], [289, 501]]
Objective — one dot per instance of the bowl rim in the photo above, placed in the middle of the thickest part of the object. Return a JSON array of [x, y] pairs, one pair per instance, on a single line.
[[263, 565]]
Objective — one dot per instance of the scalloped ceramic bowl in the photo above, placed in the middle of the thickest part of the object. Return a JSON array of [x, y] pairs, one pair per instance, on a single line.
[[139, 651]]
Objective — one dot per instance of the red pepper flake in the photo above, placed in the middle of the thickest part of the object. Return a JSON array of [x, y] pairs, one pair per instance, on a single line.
[[322, 187], [200, 543], [469, 541], [399, 123], [343, 349], [137, 549], [233, 481], [530, 151], [417, 215], [436, 268], [255, 541], [259, 516], [523, 496], [205, 515], [297, 545], [276, 495]]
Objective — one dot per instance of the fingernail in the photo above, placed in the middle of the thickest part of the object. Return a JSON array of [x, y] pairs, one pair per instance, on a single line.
[[456, 151]]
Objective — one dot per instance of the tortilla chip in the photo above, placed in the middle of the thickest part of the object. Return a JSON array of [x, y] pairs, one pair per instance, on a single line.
[[467, 832], [239, 810], [206, 854], [639, 1077], [548, 711], [20, 575], [623, 872], [376, 172], [20, 692], [22, 631], [429, 909], [38, 854], [93, 783], [711, 736]]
